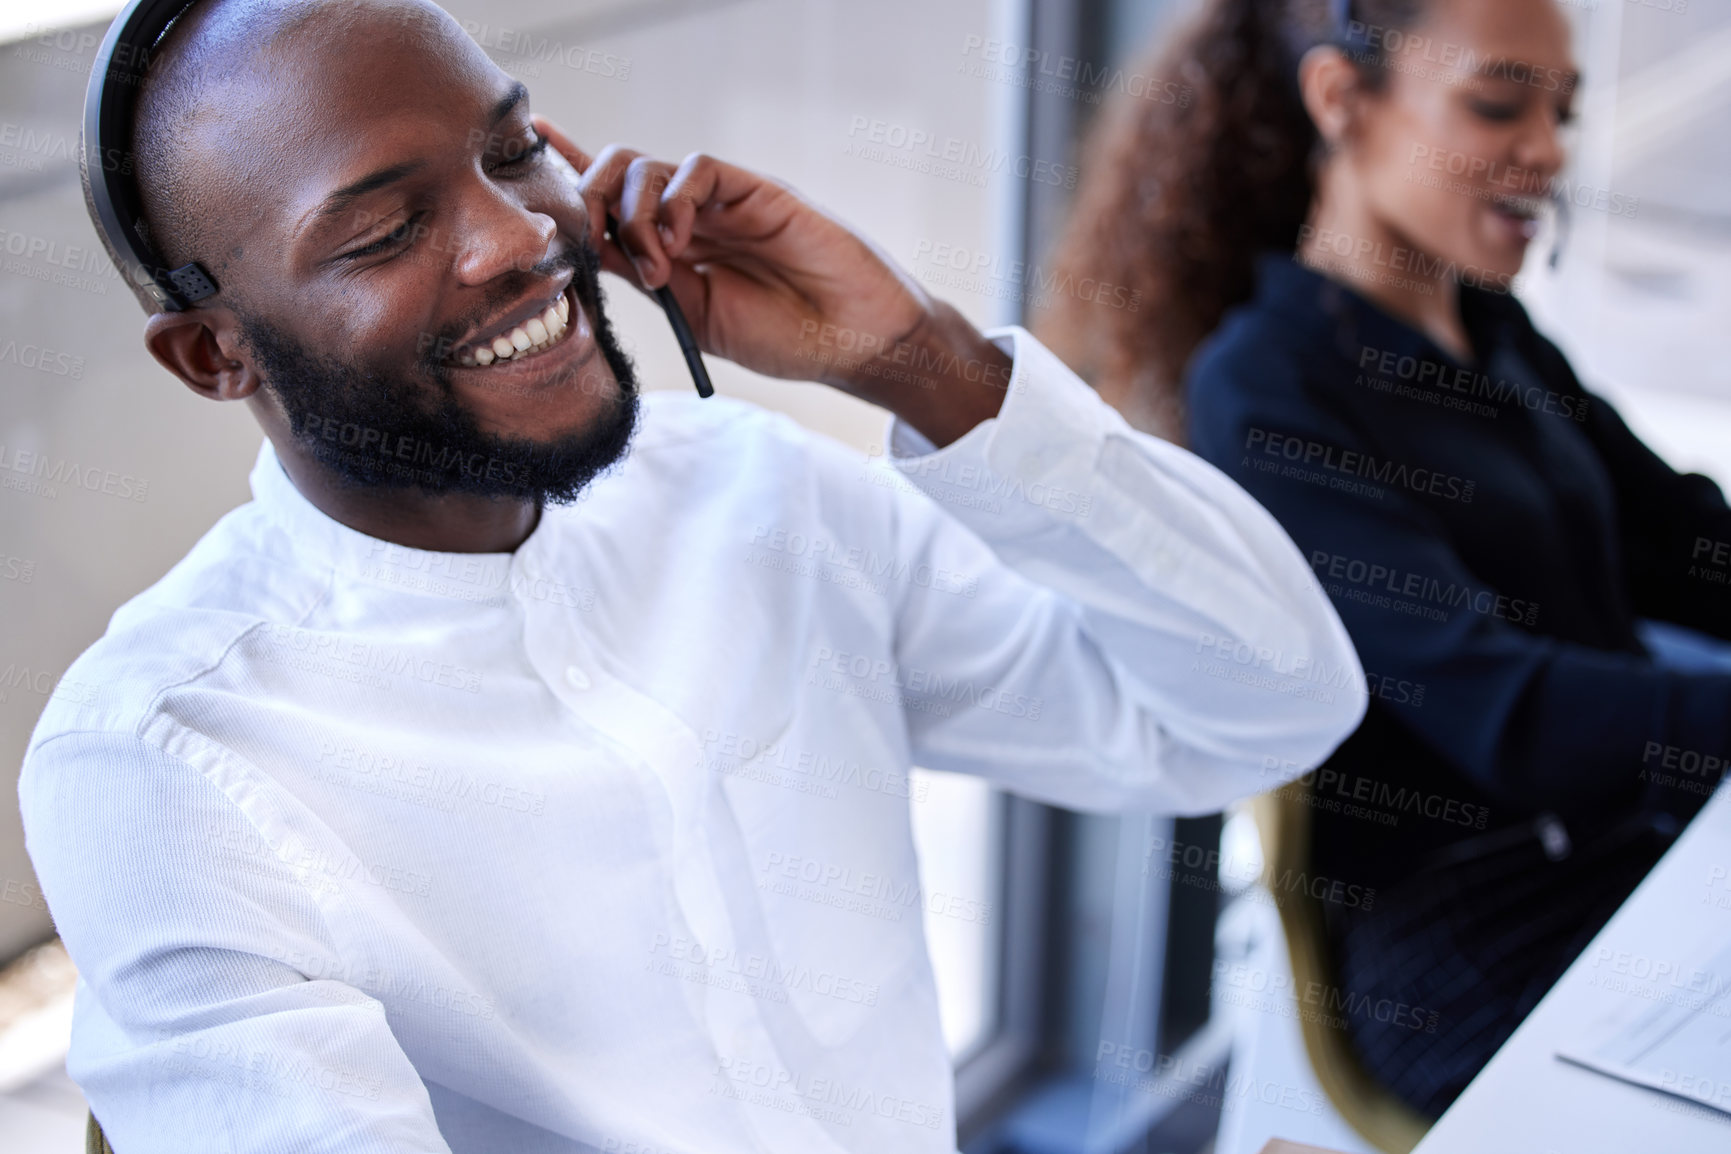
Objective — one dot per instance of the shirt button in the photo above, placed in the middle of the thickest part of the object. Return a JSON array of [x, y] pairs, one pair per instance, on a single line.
[[576, 678]]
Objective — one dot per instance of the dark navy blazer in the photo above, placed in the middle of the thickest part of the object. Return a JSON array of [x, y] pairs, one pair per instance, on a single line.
[[1491, 535]]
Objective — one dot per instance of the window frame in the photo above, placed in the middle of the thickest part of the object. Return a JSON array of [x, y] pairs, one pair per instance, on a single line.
[[1069, 879]]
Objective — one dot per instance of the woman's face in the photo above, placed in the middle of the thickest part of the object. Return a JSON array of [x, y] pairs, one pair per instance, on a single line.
[[1457, 154]]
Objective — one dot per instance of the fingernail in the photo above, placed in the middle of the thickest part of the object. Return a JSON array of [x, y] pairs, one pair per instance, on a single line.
[[642, 270], [666, 235]]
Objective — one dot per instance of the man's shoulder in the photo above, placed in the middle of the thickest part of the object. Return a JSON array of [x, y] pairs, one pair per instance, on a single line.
[[175, 631]]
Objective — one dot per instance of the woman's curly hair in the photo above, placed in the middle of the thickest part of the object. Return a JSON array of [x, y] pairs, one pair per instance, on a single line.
[[1177, 199]]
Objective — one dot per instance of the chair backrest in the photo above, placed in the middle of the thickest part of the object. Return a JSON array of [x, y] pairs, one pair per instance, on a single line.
[[95, 1141], [1283, 820]]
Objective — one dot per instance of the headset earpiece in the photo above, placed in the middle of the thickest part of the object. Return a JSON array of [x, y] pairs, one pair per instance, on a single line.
[[109, 190]]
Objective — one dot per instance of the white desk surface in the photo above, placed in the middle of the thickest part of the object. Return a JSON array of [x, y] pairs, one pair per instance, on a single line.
[[1527, 1101]]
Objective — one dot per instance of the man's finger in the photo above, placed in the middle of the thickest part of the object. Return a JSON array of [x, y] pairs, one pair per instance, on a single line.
[[603, 186], [640, 216], [561, 143], [703, 182], [614, 260]]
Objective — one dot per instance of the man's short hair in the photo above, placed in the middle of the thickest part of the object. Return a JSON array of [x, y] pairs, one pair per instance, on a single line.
[[210, 44]]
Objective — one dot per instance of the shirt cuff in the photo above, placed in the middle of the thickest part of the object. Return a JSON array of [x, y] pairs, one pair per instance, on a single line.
[[1035, 459]]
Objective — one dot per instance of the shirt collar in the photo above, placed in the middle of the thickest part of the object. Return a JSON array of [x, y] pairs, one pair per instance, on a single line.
[[320, 540]]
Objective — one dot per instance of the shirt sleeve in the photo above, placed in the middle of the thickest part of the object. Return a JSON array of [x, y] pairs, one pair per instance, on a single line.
[[1140, 632], [188, 1035], [1537, 722]]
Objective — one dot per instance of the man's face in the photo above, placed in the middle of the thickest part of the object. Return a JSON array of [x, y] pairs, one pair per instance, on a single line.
[[399, 231]]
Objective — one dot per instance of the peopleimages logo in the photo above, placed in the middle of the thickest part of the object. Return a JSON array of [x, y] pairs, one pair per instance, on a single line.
[[979, 270], [950, 157], [1332, 1001], [41, 358], [819, 773], [864, 560], [782, 1085], [1335, 786], [1710, 561], [862, 891], [775, 976], [1350, 463], [1173, 1076], [1484, 177], [1204, 867], [24, 147], [1457, 64], [534, 47], [412, 452], [1067, 77], [834, 669], [1403, 259], [46, 473], [1468, 382], [1687, 769], [1376, 584]]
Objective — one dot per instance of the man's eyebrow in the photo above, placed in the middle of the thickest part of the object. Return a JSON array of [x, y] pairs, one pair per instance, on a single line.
[[339, 200], [342, 198], [518, 93]]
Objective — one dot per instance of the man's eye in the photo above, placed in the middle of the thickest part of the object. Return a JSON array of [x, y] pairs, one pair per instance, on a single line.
[[526, 157], [391, 240]]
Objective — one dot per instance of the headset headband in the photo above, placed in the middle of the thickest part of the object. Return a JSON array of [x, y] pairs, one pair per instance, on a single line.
[[105, 165], [1349, 35]]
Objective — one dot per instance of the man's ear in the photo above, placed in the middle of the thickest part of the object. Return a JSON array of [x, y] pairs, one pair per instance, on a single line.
[[202, 348], [1328, 82]]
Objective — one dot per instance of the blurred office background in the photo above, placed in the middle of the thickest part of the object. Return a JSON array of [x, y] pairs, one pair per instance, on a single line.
[[945, 132]]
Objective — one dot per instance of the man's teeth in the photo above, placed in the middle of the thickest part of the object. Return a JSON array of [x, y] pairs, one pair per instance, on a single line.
[[530, 337]]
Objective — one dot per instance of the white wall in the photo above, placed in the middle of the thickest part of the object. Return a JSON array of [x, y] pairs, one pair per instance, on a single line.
[[1640, 298]]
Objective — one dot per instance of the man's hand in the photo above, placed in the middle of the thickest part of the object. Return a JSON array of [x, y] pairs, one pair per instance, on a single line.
[[772, 283]]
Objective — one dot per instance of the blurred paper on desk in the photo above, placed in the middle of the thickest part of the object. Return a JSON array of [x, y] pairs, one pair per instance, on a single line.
[[1680, 1042]]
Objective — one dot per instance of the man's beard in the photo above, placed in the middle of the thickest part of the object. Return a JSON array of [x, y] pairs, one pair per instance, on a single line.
[[372, 430]]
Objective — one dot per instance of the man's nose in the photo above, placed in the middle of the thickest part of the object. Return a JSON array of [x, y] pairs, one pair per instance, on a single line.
[[500, 235]]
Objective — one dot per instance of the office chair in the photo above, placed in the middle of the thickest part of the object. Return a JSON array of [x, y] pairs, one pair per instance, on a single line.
[[95, 1141], [1283, 822]]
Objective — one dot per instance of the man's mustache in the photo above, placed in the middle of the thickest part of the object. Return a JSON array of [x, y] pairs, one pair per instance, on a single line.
[[578, 256]]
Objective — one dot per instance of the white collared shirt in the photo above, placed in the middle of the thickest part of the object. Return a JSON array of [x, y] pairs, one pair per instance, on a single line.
[[361, 848]]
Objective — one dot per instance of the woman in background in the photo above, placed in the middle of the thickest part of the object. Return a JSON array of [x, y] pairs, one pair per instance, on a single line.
[[1324, 237]]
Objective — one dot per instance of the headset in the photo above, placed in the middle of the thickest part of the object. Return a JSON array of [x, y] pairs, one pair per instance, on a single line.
[[105, 169], [105, 162], [1350, 36]]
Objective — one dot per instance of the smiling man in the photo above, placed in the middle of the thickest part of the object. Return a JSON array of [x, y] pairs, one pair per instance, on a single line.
[[422, 807]]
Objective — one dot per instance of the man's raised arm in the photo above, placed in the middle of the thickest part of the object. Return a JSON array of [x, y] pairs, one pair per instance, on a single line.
[[1160, 638], [1142, 632]]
